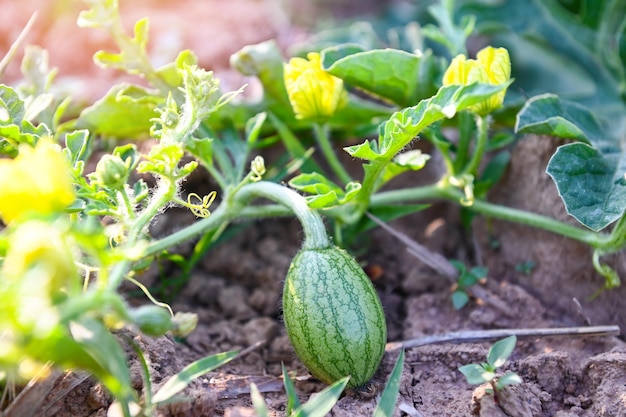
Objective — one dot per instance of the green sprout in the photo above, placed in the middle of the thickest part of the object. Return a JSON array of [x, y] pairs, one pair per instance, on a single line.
[[486, 372], [322, 403], [467, 279]]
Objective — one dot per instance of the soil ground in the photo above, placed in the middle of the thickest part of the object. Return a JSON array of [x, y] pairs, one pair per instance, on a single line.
[[236, 293]]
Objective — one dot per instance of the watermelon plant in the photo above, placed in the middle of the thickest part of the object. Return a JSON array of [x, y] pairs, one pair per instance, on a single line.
[[486, 372], [78, 222]]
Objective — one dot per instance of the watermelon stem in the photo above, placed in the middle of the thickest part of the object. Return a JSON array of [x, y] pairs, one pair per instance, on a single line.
[[315, 236]]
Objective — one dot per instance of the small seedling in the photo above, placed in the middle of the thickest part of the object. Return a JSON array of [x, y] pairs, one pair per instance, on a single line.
[[525, 267], [467, 279], [321, 404], [497, 356]]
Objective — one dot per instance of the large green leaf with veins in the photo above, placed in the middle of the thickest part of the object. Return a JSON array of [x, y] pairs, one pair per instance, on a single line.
[[589, 174], [405, 125], [126, 111], [14, 127], [575, 49], [399, 76]]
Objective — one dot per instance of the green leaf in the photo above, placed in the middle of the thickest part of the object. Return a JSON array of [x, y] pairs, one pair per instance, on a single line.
[[292, 397], [323, 192], [12, 106], [129, 154], [133, 54], [126, 111], [190, 372], [76, 144], [14, 128], [459, 299], [389, 397], [359, 113], [500, 140], [105, 351], [324, 401], [447, 32], [257, 401], [35, 105], [367, 150], [407, 161], [405, 125], [140, 190], [479, 272], [170, 73], [37, 73], [101, 14], [547, 114], [589, 176], [476, 374], [459, 266], [201, 149], [360, 34], [555, 50], [230, 152], [162, 160], [253, 127], [592, 186], [510, 378], [500, 351], [397, 75], [336, 53]]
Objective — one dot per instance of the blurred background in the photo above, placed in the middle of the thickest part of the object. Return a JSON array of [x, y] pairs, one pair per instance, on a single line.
[[213, 29]]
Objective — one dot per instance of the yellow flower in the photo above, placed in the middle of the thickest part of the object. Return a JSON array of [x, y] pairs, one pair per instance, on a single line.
[[37, 244], [491, 66], [313, 93], [38, 272], [37, 181]]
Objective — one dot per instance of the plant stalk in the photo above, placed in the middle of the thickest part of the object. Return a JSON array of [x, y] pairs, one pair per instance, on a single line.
[[443, 192], [165, 193], [315, 236], [236, 206], [482, 126], [323, 141]]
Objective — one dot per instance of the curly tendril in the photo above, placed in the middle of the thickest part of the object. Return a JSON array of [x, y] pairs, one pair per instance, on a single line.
[[201, 209]]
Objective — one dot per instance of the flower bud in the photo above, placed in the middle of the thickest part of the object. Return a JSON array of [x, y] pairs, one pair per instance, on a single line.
[[257, 168], [184, 323], [491, 66], [112, 172]]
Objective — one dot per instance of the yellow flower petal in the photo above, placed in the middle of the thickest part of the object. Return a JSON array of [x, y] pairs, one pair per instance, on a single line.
[[457, 71], [36, 181], [313, 93], [491, 66], [39, 245], [497, 64]]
